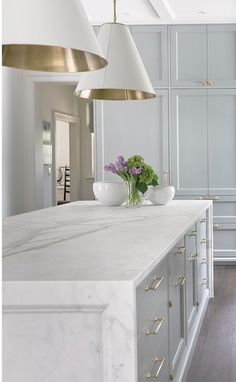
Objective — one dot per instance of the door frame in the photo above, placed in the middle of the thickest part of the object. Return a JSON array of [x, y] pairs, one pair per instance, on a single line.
[[74, 187], [34, 198]]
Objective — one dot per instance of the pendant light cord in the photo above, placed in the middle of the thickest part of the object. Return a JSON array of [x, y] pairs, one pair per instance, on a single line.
[[114, 9]]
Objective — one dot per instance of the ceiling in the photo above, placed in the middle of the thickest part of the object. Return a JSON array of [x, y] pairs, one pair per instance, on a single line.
[[162, 11]]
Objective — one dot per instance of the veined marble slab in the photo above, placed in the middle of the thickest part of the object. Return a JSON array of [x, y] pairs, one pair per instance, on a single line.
[[69, 290], [87, 241]]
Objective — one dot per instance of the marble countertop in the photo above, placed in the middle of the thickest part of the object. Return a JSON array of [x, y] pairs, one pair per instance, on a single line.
[[85, 241]]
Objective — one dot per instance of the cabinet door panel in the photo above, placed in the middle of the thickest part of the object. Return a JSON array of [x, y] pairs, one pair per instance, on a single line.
[[222, 55], [151, 42], [133, 127], [191, 277], [225, 241], [189, 142], [177, 319], [222, 141], [188, 55]]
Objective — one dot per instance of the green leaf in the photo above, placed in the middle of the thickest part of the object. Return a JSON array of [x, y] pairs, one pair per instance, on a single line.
[[142, 187], [154, 181]]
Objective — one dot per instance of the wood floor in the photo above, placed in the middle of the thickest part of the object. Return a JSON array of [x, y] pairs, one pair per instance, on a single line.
[[214, 359]]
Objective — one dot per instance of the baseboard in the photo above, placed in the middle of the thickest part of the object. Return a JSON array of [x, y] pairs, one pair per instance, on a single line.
[[192, 341]]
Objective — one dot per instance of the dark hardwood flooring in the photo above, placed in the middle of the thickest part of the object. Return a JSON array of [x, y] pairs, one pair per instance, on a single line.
[[214, 358]]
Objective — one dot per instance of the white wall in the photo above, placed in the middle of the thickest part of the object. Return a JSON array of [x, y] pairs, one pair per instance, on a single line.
[[29, 98], [13, 142]]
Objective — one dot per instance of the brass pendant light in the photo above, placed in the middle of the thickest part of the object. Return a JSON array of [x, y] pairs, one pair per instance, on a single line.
[[125, 77], [50, 36]]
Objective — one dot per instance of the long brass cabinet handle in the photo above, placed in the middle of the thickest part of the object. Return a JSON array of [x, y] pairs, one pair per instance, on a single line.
[[180, 251], [156, 281], [160, 362], [159, 322], [181, 281], [193, 233], [208, 197], [194, 257]]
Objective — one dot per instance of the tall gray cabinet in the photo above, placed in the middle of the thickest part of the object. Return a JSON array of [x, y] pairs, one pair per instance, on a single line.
[[203, 124], [189, 130]]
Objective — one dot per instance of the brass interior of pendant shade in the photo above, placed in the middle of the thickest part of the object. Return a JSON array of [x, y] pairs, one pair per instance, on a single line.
[[50, 58], [114, 94]]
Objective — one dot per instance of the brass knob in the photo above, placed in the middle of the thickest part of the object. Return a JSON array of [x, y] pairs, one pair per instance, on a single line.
[[210, 83], [204, 83]]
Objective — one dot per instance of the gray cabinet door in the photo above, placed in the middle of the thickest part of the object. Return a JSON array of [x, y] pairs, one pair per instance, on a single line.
[[188, 56], [191, 277], [133, 127], [189, 141], [151, 42], [225, 241], [222, 141], [221, 42], [177, 313]]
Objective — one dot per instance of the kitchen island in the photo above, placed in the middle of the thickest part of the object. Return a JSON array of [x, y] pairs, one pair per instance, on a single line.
[[105, 293]]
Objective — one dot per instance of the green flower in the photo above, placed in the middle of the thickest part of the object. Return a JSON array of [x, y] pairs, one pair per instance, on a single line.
[[135, 161], [147, 174]]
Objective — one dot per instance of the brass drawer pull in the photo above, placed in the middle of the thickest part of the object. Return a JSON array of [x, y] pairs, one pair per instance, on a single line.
[[194, 257], [180, 251], [216, 226], [203, 220], [160, 321], [208, 197], [204, 281], [193, 233], [159, 361], [181, 281], [156, 281], [204, 83], [204, 261], [203, 241]]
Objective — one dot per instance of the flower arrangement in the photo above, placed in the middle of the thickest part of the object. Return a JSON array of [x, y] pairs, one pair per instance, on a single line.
[[137, 174]]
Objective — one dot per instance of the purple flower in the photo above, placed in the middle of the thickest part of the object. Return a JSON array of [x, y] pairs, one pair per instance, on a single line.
[[111, 167], [135, 170], [121, 164], [120, 159]]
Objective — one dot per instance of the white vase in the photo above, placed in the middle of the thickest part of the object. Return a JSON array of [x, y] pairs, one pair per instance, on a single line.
[[161, 195], [110, 193]]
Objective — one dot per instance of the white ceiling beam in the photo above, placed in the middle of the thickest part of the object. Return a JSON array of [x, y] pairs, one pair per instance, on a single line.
[[163, 10]]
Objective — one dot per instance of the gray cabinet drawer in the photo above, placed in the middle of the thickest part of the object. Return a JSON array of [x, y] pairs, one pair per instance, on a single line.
[[224, 212], [224, 240], [151, 296], [154, 362]]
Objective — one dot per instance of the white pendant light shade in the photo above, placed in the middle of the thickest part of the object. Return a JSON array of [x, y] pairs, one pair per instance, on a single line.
[[49, 35], [125, 77]]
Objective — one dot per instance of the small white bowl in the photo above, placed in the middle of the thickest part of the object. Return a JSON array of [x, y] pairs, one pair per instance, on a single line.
[[161, 195], [110, 193]]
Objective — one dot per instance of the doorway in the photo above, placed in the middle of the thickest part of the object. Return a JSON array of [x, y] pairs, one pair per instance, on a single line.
[[66, 158]]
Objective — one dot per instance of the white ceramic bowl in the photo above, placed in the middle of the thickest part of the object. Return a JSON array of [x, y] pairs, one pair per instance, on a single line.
[[110, 193], [161, 195]]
